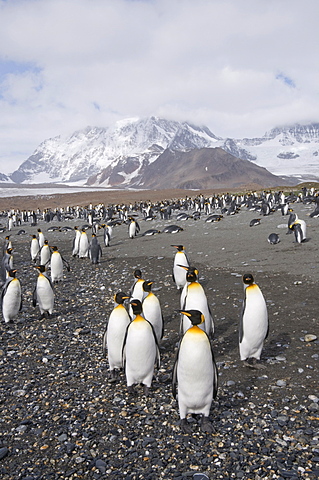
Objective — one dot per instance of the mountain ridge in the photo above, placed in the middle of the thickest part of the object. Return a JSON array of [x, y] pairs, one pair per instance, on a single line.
[[120, 155]]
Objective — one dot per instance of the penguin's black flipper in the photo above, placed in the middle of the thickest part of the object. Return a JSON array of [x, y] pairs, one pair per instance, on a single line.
[[241, 325], [173, 276], [3, 291], [174, 380], [66, 263], [104, 342], [174, 375], [34, 297]]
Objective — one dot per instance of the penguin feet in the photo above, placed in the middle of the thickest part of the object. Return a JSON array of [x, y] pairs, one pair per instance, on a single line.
[[146, 390], [130, 390], [205, 425], [113, 376], [253, 363], [186, 427]]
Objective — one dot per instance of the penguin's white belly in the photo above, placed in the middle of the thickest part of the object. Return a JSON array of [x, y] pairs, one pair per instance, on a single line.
[[132, 230], [11, 300], [254, 324], [195, 375], [83, 246], [45, 295], [140, 352], [153, 313], [44, 255], [197, 300], [76, 245], [179, 272], [118, 322], [56, 267]]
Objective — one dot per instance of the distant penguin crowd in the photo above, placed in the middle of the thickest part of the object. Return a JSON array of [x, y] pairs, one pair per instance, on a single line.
[[132, 338]]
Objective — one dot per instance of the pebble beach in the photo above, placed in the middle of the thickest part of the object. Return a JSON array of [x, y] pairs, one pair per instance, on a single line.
[[62, 419]]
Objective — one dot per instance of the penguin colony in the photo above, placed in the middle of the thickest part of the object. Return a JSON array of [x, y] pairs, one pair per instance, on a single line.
[[135, 328]]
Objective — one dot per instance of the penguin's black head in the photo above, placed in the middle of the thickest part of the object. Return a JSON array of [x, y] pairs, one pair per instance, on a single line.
[[54, 248], [41, 268], [248, 279], [12, 273], [192, 274], [180, 248], [195, 316], [119, 297], [46, 242], [9, 250], [137, 273], [136, 306], [39, 230], [147, 286]]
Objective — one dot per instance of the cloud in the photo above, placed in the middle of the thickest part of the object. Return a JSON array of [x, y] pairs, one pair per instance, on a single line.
[[240, 67]]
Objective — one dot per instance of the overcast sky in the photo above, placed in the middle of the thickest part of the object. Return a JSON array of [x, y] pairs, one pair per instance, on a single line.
[[240, 67]]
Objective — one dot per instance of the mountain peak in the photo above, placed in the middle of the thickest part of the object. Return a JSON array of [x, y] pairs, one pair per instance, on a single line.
[[120, 154]]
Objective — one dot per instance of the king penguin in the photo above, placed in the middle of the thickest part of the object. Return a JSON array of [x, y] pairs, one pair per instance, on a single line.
[[76, 242], [254, 326], [193, 297], [83, 245], [40, 238], [137, 290], [152, 310], [140, 350], [195, 375], [133, 228], [34, 248], [57, 263], [11, 297], [43, 293], [180, 261], [114, 334], [300, 230], [45, 253]]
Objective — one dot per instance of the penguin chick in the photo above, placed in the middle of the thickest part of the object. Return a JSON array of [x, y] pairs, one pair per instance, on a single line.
[[273, 239], [253, 328], [140, 350], [195, 375], [114, 335], [11, 297], [180, 261], [152, 310]]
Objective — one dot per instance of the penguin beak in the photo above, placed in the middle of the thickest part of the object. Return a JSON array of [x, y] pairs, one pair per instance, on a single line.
[[183, 266], [184, 313]]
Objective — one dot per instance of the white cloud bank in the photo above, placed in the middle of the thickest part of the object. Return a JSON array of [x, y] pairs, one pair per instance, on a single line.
[[240, 67]]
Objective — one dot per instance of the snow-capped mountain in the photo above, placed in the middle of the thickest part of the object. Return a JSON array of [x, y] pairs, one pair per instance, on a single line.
[[5, 179], [291, 151], [120, 156], [121, 151]]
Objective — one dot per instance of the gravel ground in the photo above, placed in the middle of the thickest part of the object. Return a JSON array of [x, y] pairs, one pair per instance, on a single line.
[[61, 419]]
